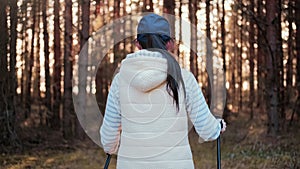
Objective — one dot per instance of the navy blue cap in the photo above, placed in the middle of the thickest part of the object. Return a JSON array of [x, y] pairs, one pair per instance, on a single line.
[[155, 24]]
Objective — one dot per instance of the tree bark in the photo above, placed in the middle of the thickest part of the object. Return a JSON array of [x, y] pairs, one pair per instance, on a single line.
[[193, 51], [251, 58], [25, 72], [4, 111], [240, 63], [280, 72], [83, 63], [271, 63], [28, 98], [13, 139], [68, 62], [297, 14], [289, 72], [36, 79], [169, 8], [180, 58], [223, 39], [55, 120], [148, 6], [261, 55], [116, 28], [234, 59], [46, 53]]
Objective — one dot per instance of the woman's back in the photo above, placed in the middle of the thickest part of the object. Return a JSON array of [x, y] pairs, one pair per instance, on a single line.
[[154, 133], [149, 104]]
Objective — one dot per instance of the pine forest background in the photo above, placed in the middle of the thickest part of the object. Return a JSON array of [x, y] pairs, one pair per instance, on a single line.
[[257, 42]]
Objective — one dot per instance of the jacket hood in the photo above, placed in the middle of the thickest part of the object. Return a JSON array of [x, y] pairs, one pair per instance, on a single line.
[[144, 70]]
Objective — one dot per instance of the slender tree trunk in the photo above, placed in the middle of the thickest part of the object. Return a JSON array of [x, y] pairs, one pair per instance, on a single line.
[[148, 6], [251, 58], [13, 73], [55, 120], [117, 52], [193, 51], [297, 14], [234, 63], [240, 60], [209, 53], [4, 111], [28, 98], [261, 55], [83, 63], [180, 59], [169, 8], [289, 72], [223, 32], [223, 39], [280, 73], [25, 72], [24, 42], [271, 60], [36, 76], [99, 84], [13, 54], [46, 53], [68, 62]]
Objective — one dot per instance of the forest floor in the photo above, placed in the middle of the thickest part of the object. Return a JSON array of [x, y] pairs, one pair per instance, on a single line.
[[245, 145]]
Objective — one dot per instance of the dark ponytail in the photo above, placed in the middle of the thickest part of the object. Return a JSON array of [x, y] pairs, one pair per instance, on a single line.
[[156, 42]]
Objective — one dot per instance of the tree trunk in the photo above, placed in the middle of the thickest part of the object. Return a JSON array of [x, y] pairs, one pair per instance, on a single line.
[[36, 76], [193, 47], [234, 59], [13, 139], [251, 58], [116, 28], [13, 54], [28, 98], [209, 53], [280, 72], [180, 58], [169, 8], [55, 120], [297, 14], [99, 74], [4, 120], [240, 63], [83, 63], [25, 71], [271, 63], [68, 62], [289, 72], [46, 53], [223, 39], [148, 6], [261, 55]]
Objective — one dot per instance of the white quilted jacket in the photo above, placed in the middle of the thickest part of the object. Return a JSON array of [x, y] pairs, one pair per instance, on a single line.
[[154, 135]]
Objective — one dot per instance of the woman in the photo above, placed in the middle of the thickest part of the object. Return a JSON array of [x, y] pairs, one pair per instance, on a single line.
[[150, 102]]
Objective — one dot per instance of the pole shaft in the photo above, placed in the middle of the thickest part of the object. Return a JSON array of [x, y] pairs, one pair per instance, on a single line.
[[219, 152], [107, 161]]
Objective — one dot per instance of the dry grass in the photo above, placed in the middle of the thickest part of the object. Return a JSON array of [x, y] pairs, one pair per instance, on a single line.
[[244, 145]]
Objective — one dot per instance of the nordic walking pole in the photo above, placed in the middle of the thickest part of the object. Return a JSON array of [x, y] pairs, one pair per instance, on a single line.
[[219, 152], [219, 149], [107, 161]]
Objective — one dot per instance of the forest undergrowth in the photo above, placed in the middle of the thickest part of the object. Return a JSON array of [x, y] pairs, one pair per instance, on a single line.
[[245, 144]]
